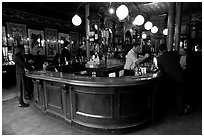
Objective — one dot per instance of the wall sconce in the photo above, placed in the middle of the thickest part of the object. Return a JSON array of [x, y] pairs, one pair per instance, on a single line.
[[154, 29], [62, 41], [122, 12], [43, 42], [148, 25]]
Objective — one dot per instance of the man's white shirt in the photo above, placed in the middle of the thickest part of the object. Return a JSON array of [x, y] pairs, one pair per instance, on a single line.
[[131, 58]]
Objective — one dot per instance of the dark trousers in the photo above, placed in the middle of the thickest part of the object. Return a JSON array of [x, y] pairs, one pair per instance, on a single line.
[[169, 95], [129, 72], [21, 85]]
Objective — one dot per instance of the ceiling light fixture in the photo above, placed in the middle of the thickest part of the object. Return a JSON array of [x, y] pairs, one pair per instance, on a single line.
[[165, 31], [154, 29], [111, 10], [139, 20], [144, 36], [148, 25], [76, 20], [122, 12]]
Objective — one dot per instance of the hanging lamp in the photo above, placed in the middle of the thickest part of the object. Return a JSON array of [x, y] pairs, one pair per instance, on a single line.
[[165, 31], [76, 20], [154, 29], [122, 12], [148, 25], [139, 20]]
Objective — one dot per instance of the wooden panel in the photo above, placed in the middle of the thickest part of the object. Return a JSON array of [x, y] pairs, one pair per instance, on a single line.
[[135, 103], [66, 101], [38, 94], [93, 105], [54, 97], [35, 92], [93, 102]]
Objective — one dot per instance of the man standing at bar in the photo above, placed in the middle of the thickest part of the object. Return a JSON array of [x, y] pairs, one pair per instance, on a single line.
[[19, 59], [171, 71], [132, 60], [65, 54]]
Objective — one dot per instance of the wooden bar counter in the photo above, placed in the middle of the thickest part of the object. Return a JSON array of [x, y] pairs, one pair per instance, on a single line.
[[95, 102]]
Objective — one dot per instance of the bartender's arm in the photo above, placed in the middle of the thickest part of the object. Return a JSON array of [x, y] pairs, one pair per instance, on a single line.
[[142, 59]]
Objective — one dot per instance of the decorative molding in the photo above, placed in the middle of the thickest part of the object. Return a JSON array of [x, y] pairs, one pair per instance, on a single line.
[[29, 18]]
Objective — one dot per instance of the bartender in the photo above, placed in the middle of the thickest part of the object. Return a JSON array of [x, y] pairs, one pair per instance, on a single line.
[[65, 54], [132, 59]]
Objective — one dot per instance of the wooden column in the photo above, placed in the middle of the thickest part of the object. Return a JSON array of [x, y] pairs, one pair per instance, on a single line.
[[178, 24], [170, 26], [87, 31]]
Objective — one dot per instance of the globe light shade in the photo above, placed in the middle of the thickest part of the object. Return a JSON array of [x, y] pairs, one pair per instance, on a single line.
[[76, 20], [165, 31], [122, 12], [139, 20], [154, 29], [148, 25], [144, 36], [111, 10]]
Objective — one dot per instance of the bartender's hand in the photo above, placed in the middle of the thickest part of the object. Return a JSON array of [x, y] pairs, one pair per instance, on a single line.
[[146, 55], [26, 70]]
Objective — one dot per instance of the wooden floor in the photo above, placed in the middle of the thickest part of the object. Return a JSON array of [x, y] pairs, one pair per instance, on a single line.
[[30, 121]]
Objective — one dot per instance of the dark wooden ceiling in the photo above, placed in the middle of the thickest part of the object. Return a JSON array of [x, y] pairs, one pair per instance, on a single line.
[[66, 10]]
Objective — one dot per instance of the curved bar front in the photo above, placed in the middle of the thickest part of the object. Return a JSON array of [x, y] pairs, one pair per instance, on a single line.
[[96, 102]]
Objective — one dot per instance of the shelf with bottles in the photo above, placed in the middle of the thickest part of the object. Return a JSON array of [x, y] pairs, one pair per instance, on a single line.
[[7, 55], [118, 40]]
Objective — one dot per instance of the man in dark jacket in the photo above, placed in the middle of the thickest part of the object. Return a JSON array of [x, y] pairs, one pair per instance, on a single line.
[[173, 77], [19, 59], [65, 54]]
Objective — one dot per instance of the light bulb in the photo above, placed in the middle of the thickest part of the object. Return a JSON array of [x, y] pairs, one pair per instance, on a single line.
[[144, 36], [111, 10], [62, 41], [148, 25], [165, 31], [139, 20], [76, 20], [122, 12], [154, 29]]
